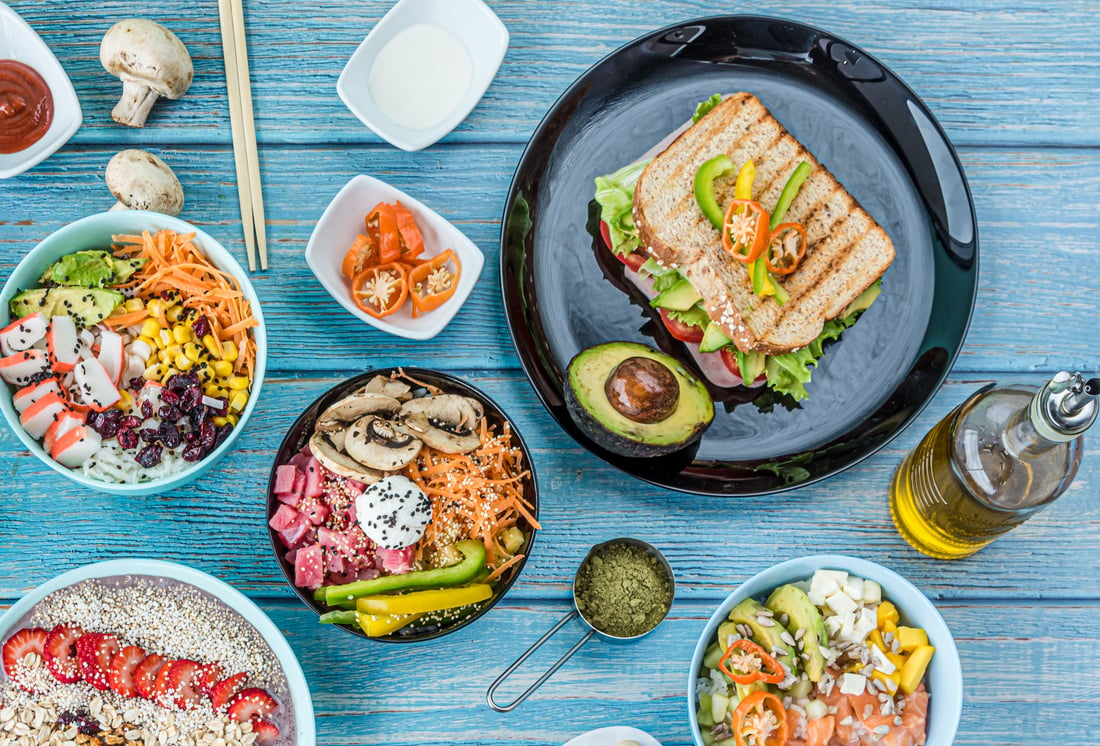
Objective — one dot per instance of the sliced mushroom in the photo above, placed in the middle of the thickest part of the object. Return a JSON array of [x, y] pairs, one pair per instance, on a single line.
[[375, 442], [150, 61], [355, 407], [141, 181], [447, 423], [323, 447], [383, 385]]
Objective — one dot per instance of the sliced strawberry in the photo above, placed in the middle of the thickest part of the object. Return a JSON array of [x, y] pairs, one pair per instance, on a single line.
[[60, 653], [145, 674], [162, 686], [94, 652], [208, 676], [182, 686], [120, 674], [225, 690], [19, 646], [265, 731], [251, 704]]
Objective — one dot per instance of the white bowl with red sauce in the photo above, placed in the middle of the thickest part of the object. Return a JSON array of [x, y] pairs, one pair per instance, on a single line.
[[26, 67]]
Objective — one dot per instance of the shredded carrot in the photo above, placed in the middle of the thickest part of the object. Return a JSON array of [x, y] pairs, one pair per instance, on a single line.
[[123, 320], [500, 570], [176, 265]]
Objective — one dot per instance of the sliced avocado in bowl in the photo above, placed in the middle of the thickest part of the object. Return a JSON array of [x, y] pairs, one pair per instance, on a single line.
[[802, 614], [636, 401], [86, 306], [767, 636], [93, 268]]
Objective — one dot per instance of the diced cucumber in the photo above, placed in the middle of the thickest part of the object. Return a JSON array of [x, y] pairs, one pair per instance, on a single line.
[[708, 739], [714, 338], [801, 688], [719, 706], [704, 718], [726, 742], [713, 656], [680, 297]]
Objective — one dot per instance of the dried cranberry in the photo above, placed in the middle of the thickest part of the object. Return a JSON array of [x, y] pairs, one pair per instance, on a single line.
[[191, 436], [94, 420], [207, 435], [113, 415], [137, 383], [131, 422], [201, 327], [108, 429], [169, 413], [127, 438], [191, 398], [149, 455], [197, 416], [182, 381], [148, 434], [223, 405], [223, 433], [169, 435], [192, 452], [168, 396], [146, 408]]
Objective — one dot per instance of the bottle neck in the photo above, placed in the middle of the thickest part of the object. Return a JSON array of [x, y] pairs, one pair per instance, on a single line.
[[1027, 438]]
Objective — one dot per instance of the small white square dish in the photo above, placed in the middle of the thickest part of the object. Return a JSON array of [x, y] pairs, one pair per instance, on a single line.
[[614, 736], [344, 219], [423, 68], [20, 43]]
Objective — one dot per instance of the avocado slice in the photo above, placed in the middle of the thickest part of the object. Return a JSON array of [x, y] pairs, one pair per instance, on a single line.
[[770, 638], [802, 614], [864, 300], [86, 306], [714, 338], [659, 406], [679, 297], [751, 365], [93, 268]]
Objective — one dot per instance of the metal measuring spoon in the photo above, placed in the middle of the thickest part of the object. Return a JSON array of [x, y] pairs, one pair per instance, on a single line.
[[592, 629]]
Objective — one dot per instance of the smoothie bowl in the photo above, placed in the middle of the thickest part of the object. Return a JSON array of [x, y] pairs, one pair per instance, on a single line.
[[402, 505], [142, 651], [825, 651], [132, 350]]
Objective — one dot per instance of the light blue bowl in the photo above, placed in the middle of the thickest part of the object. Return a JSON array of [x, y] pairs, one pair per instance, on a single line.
[[301, 701], [94, 232], [944, 676]]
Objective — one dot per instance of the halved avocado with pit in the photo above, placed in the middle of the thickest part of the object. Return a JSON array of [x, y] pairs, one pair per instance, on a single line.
[[636, 401]]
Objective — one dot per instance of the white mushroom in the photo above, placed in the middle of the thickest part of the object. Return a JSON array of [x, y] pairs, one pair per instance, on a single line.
[[375, 442], [142, 181], [351, 408], [150, 61], [448, 422], [330, 455]]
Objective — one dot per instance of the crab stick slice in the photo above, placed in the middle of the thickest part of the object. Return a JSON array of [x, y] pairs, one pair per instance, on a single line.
[[112, 354], [94, 385], [28, 395], [65, 422], [76, 446], [20, 368], [23, 333], [62, 343], [38, 417]]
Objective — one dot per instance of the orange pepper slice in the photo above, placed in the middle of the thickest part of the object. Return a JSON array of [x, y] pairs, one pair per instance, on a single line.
[[379, 291], [760, 714], [432, 283], [745, 230]]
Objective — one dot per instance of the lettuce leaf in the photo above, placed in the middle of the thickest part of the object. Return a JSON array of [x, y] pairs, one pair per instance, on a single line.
[[789, 373], [615, 195], [704, 107], [694, 316]]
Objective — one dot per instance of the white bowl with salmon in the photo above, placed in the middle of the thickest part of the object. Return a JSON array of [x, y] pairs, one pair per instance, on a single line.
[[825, 650]]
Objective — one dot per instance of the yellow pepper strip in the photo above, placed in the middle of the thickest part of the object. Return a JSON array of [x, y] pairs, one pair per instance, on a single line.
[[379, 625], [742, 188], [910, 638], [422, 602], [914, 668], [887, 612]]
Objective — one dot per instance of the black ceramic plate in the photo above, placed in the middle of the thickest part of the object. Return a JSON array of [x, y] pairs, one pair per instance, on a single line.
[[299, 434], [561, 293]]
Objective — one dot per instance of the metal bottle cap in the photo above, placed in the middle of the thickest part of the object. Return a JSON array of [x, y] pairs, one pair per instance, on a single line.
[[1068, 405]]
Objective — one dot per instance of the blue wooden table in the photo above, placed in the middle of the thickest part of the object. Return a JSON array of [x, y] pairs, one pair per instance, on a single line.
[[1014, 85]]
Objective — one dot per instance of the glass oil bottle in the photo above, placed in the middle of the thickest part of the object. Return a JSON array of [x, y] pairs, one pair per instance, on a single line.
[[1000, 457]]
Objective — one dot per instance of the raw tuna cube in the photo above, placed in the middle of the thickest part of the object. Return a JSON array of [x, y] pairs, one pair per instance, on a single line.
[[315, 510], [334, 563], [396, 561], [290, 498], [290, 555], [295, 534], [313, 479], [284, 518], [300, 461], [284, 478], [368, 573], [309, 567]]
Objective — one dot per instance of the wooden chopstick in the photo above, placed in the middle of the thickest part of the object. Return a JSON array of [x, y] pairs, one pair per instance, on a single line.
[[243, 127]]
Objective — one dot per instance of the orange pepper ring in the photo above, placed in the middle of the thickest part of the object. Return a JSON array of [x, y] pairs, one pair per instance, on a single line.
[[774, 675], [760, 236], [779, 229], [765, 700], [362, 277]]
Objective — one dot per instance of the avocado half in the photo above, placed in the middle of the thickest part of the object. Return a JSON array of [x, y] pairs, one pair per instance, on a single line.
[[686, 408]]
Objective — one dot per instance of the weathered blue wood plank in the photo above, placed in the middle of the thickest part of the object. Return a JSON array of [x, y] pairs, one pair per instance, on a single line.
[[1008, 74]]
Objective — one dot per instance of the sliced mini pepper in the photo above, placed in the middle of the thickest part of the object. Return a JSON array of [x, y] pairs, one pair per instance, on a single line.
[[704, 187], [381, 225], [745, 662], [423, 602], [786, 248], [362, 254], [760, 720], [432, 283], [412, 243], [381, 290], [745, 230]]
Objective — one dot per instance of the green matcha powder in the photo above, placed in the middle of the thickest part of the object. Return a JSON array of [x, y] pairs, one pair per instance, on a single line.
[[622, 590]]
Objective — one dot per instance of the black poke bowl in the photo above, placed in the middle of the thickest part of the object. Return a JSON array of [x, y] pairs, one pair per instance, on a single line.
[[293, 450]]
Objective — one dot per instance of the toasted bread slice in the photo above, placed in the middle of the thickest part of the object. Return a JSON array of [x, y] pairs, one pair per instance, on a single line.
[[846, 249]]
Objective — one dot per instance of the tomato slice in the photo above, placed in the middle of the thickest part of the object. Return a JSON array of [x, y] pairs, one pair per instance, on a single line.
[[634, 260], [680, 330], [729, 359]]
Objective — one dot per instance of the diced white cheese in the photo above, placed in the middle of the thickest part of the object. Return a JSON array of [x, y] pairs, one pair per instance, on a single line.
[[816, 597], [853, 588], [841, 603], [852, 683], [864, 623], [880, 660], [872, 592], [837, 576], [847, 630]]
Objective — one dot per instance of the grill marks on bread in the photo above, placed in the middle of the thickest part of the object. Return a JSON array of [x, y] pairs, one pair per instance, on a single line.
[[847, 249]]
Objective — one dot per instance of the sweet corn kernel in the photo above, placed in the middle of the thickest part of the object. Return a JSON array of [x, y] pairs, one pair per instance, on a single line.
[[125, 401], [229, 351], [165, 338], [182, 333], [233, 419], [213, 389], [163, 356], [192, 351], [205, 374], [238, 383], [174, 349], [169, 372], [154, 372], [219, 421], [182, 362], [174, 314], [211, 345], [149, 342], [222, 368], [150, 328], [239, 399], [134, 304]]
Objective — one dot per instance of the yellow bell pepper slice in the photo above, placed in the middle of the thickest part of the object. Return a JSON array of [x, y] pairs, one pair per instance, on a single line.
[[915, 667], [910, 638], [379, 625], [423, 602]]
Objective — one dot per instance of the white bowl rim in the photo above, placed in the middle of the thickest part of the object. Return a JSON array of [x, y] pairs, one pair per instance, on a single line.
[[472, 258], [801, 568], [227, 262], [399, 17], [304, 725]]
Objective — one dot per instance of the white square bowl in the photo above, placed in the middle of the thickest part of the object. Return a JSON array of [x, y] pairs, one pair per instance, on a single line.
[[343, 220], [19, 42], [472, 22]]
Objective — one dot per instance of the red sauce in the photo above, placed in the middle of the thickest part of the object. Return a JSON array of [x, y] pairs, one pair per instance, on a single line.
[[26, 106]]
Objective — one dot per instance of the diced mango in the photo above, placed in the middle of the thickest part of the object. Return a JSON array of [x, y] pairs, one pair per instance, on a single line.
[[875, 636], [239, 399], [891, 680], [910, 638], [889, 626], [125, 400], [887, 612], [898, 659], [913, 671]]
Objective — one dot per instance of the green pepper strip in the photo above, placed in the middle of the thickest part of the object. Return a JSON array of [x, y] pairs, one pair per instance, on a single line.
[[349, 616], [704, 188], [473, 559], [790, 191]]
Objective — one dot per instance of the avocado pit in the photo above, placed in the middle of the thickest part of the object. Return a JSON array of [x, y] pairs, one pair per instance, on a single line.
[[643, 390]]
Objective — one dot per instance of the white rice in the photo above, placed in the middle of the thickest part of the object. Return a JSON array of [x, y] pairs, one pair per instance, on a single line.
[[113, 463]]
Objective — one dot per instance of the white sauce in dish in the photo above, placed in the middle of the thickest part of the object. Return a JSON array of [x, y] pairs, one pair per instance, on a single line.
[[421, 76]]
